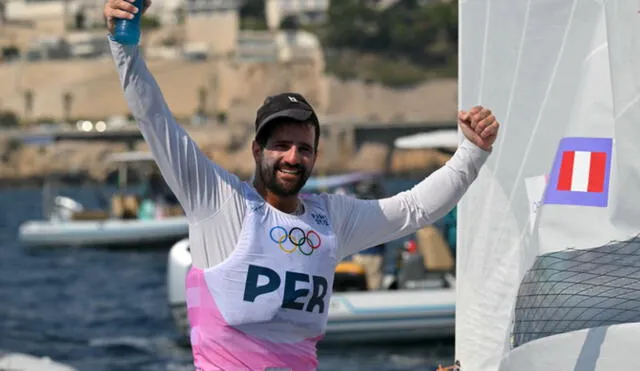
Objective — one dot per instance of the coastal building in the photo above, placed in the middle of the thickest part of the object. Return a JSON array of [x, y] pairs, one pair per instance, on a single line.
[[306, 11]]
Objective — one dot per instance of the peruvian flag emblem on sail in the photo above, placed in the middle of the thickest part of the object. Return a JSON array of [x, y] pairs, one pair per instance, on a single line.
[[582, 171], [580, 174]]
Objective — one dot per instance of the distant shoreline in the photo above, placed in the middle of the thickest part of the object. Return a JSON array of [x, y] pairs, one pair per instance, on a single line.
[[37, 182]]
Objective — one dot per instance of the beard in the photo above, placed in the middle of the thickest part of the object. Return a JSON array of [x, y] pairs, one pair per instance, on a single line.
[[281, 187]]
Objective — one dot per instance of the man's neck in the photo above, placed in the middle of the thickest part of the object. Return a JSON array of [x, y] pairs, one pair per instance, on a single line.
[[289, 205]]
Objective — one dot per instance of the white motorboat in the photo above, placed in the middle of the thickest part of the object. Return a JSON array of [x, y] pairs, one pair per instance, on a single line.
[[27, 362], [445, 139], [68, 222], [110, 232], [354, 316], [417, 308]]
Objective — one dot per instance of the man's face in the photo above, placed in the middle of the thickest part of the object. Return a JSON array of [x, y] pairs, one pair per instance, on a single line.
[[287, 160]]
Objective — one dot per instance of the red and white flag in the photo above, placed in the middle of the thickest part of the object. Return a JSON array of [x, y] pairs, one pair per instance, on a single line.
[[582, 171]]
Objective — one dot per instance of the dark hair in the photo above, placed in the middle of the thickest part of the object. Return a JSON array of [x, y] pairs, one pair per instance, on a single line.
[[264, 134]]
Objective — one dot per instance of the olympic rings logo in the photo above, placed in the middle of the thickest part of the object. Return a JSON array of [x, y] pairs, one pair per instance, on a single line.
[[306, 243]]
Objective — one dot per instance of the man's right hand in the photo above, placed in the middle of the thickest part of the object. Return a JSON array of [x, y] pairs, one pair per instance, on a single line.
[[123, 9]]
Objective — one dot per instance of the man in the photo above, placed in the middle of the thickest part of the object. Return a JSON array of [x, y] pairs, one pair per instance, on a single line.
[[264, 256]]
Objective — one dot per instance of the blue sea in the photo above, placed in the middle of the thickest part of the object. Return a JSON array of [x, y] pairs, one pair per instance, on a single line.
[[98, 309]]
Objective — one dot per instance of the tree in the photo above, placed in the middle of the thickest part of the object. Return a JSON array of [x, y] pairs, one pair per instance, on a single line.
[[8, 119], [149, 22], [401, 44], [252, 15], [67, 99], [290, 23], [408, 28], [252, 9], [181, 15], [80, 20], [28, 103], [351, 24], [202, 100], [3, 13]]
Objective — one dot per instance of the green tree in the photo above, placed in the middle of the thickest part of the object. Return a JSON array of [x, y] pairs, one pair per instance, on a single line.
[[67, 100], [351, 24], [202, 100], [411, 39], [252, 16], [289, 23], [150, 22], [252, 9], [28, 103], [9, 119]]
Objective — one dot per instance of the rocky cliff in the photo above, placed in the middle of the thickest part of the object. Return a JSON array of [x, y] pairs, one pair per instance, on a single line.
[[235, 88]]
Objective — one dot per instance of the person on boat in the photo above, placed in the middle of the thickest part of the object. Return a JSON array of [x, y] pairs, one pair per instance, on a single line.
[[264, 256], [156, 198]]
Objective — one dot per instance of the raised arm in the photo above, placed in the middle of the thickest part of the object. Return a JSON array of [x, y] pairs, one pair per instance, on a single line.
[[364, 223], [200, 185], [360, 224]]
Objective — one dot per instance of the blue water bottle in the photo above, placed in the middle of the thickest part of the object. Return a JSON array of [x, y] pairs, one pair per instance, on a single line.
[[127, 31]]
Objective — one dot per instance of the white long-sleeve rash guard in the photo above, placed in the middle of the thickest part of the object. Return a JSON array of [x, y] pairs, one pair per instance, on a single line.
[[214, 202]]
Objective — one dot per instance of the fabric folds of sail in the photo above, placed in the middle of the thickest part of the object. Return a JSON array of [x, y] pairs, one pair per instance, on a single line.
[[547, 232]]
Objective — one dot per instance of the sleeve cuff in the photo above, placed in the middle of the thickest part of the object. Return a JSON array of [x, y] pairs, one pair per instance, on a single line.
[[120, 50], [478, 155]]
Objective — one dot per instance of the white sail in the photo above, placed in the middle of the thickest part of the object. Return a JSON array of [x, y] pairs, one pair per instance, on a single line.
[[534, 279]]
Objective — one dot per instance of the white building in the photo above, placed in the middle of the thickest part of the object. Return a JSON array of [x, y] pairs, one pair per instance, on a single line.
[[305, 10], [280, 46]]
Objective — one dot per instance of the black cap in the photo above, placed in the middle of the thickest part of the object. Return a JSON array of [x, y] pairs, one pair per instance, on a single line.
[[285, 105]]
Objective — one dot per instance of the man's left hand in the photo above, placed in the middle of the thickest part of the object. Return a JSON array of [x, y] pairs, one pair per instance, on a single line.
[[479, 126]]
